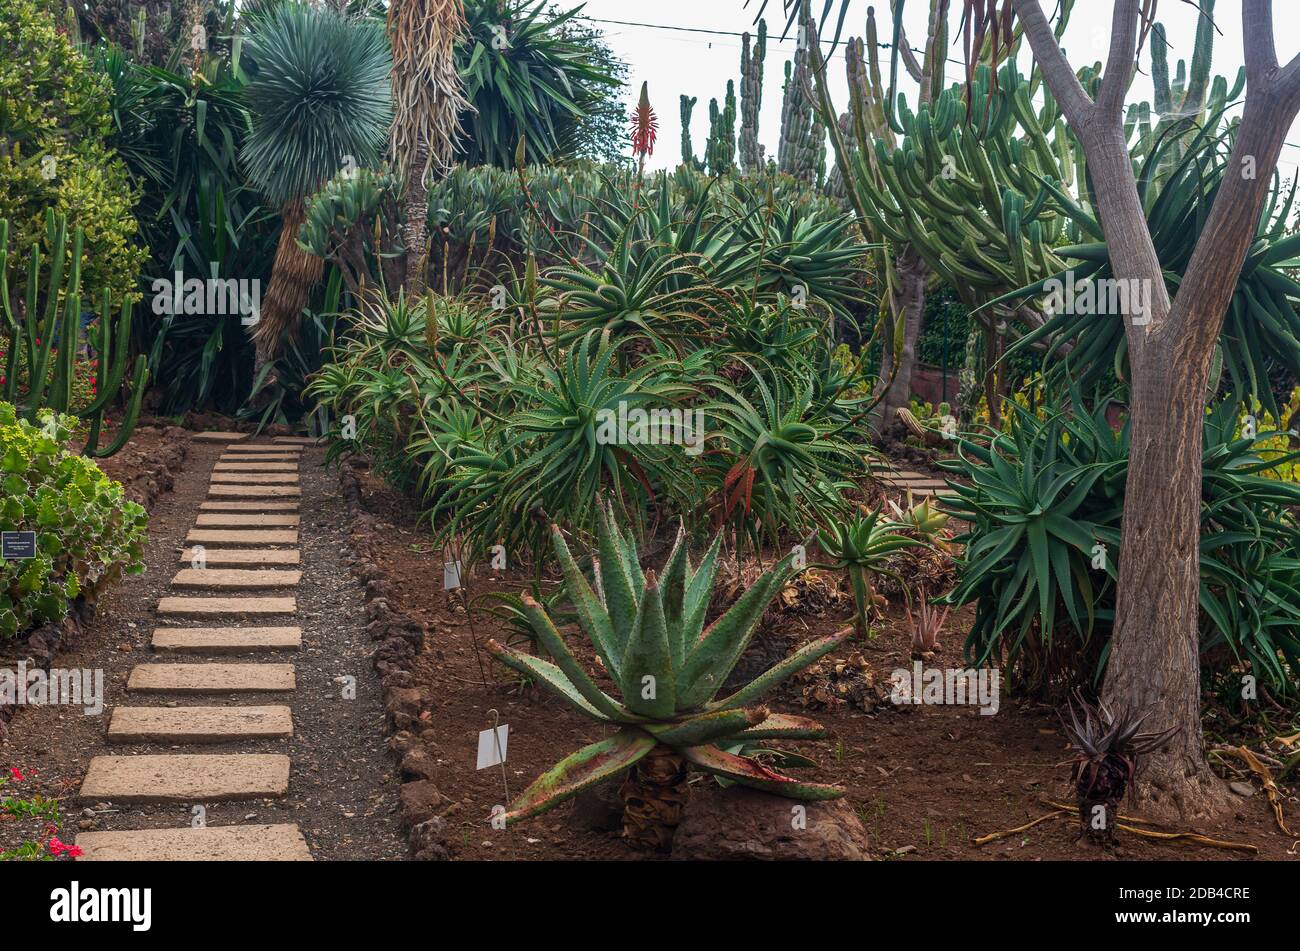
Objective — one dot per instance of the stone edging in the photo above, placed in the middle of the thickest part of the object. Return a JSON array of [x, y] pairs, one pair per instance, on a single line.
[[400, 640], [39, 648]]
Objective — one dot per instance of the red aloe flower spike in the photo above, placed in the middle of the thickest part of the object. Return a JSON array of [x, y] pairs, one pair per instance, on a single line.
[[645, 126]]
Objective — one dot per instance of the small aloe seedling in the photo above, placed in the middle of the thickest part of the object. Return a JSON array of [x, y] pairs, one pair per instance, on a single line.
[[860, 545], [649, 633], [926, 627]]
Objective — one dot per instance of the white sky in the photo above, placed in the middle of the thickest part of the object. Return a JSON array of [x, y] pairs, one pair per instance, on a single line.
[[699, 64]]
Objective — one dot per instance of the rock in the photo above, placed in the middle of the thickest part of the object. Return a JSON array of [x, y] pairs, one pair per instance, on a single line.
[[599, 808], [418, 764], [420, 800], [1242, 789], [403, 707], [738, 823], [431, 841]]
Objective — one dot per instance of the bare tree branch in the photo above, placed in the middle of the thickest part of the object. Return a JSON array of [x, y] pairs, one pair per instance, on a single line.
[[1257, 40], [1074, 101], [1120, 63]]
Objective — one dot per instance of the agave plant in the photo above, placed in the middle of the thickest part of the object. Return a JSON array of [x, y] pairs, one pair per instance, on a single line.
[[861, 545], [649, 634], [1107, 749]]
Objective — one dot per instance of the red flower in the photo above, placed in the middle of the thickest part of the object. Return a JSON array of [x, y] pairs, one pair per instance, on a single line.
[[645, 125], [15, 773], [57, 848]]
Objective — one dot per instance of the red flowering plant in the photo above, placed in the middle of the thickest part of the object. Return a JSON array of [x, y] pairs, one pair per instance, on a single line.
[[31, 822], [644, 130]]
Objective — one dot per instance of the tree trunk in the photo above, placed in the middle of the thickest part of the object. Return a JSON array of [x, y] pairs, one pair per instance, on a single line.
[[1154, 666], [908, 305], [415, 232], [293, 275]]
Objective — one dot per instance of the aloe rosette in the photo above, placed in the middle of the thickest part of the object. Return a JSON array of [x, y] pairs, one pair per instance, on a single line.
[[649, 633]]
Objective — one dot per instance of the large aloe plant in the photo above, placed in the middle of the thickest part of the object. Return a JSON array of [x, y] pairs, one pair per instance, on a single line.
[[649, 633]]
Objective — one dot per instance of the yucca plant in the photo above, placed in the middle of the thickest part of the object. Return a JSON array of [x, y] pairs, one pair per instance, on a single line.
[[318, 96], [1106, 754], [667, 667], [861, 545]]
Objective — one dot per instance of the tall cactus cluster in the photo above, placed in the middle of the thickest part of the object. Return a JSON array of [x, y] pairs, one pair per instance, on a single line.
[[753, 58], [720, 154], [38, 326], [688, 147], [1187, 99], [802, 152]]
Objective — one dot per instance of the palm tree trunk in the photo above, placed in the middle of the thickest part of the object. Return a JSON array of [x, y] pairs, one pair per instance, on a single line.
[[293, 275]]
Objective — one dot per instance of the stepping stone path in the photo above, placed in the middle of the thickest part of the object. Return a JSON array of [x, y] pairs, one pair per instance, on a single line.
[[245, 539], [921, 486]]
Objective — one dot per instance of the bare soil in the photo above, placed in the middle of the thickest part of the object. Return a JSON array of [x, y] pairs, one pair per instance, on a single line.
[[925, 780]]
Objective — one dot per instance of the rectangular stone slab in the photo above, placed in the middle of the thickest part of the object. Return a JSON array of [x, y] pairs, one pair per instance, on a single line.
[[245, 520], [185, 778], [254, 492], [254, 447], [245, 843], [254, 478], [224, 607], [295, 440], [259, 466], [199, 724], [234, 579], [211, 678], [219, 437], [225, 640], [263, 458], [236, 537], [244, 556], [248, 506]]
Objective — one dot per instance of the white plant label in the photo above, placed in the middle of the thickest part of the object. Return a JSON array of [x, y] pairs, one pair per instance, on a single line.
[[492, 746], [451, 575]]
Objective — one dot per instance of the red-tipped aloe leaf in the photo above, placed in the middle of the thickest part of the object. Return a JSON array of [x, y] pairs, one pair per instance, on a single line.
[[707, 727], [549, 676], [750, 772], [588, 766], [782, 726]]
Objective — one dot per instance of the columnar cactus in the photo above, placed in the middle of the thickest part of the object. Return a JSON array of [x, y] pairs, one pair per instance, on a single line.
[[751, 99], [688, 147], [33, 332], [721, 151], [802, 151]]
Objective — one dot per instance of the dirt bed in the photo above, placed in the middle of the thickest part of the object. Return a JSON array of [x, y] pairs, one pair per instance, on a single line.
[[924, 780]]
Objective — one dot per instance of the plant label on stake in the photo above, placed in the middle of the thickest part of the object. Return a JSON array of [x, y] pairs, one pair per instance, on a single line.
[[492, 746], [451, 575], [17, 546]]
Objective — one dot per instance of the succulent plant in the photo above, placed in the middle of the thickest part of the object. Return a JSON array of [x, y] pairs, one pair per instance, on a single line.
[[860, 544], [649, 634], [33, 331], [925, 628], [1107, 749]]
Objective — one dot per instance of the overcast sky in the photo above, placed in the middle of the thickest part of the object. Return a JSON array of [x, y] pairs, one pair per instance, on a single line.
[[699, 64]]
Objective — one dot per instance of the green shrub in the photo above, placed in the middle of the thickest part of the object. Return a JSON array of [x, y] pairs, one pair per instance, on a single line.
[[87, 532], [1041, 558], [54, 119]]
